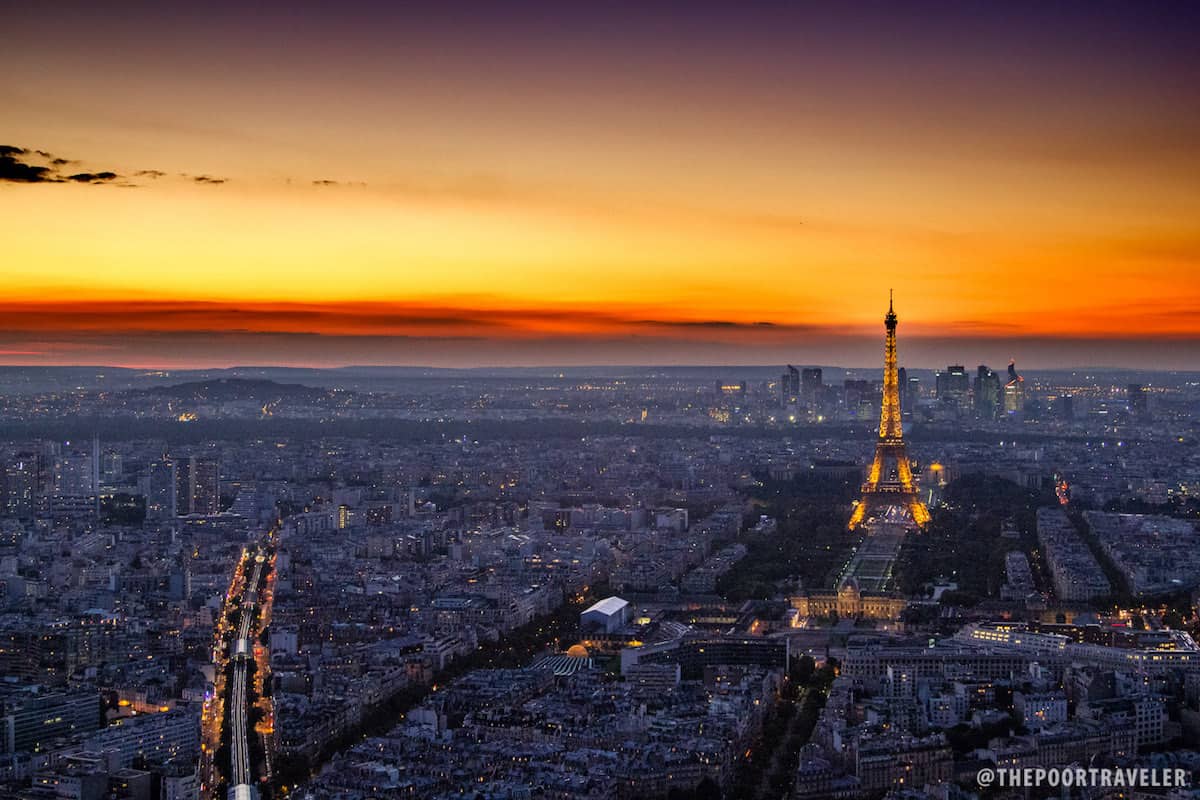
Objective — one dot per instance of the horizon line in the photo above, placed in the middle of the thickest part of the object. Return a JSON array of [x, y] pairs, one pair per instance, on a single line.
[[572, 367]]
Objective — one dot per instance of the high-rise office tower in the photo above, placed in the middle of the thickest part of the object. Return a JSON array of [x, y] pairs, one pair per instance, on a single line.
[[910, 392], [952, 384], [157, 485], [1014, 391], [859, 397], [196, 484], [789, 387], [811, 388], [1066, 406], [987, 393]]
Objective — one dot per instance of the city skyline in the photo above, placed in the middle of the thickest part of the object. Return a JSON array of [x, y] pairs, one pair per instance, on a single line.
[[563, 187], [551, 401]]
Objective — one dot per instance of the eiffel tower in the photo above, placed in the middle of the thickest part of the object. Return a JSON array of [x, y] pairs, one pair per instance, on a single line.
[[889, 489]]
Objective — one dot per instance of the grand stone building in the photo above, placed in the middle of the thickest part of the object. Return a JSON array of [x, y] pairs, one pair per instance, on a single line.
[[849, 602]]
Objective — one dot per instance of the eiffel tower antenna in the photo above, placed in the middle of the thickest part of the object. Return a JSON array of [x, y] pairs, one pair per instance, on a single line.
[[890, 482]]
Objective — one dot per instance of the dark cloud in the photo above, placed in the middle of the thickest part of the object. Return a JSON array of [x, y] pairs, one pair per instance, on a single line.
[[26, 165], [93, 177], [717, 324], [16, 172], [14, 169], [18, 165]]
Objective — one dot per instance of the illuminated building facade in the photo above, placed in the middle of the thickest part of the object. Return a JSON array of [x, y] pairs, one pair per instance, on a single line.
[[1014, 391], [849, 602], [789, 387], [987, 393], [952, 384], [890, 483]]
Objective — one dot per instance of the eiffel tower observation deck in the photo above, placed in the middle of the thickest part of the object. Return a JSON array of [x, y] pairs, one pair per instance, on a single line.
[[890, 493]]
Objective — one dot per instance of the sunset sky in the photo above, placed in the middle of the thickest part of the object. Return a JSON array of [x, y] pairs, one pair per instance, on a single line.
[[494, 183]]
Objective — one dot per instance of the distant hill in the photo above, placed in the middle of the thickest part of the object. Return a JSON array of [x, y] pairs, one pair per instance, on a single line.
[[273, 380], [224, 390]]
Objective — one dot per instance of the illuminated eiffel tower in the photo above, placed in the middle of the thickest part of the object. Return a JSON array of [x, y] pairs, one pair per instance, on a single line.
[[889, 489]]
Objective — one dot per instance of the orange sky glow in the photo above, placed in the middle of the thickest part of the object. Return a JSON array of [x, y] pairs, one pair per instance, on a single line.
[[740, 194]]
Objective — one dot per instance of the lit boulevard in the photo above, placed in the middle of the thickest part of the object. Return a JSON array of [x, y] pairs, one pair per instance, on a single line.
[[249, 599]]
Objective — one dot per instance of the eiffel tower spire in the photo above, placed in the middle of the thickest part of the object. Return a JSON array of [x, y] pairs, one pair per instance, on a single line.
[[890, 481]]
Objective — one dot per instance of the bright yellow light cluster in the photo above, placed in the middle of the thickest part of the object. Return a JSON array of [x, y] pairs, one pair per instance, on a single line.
[[881, 490]]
